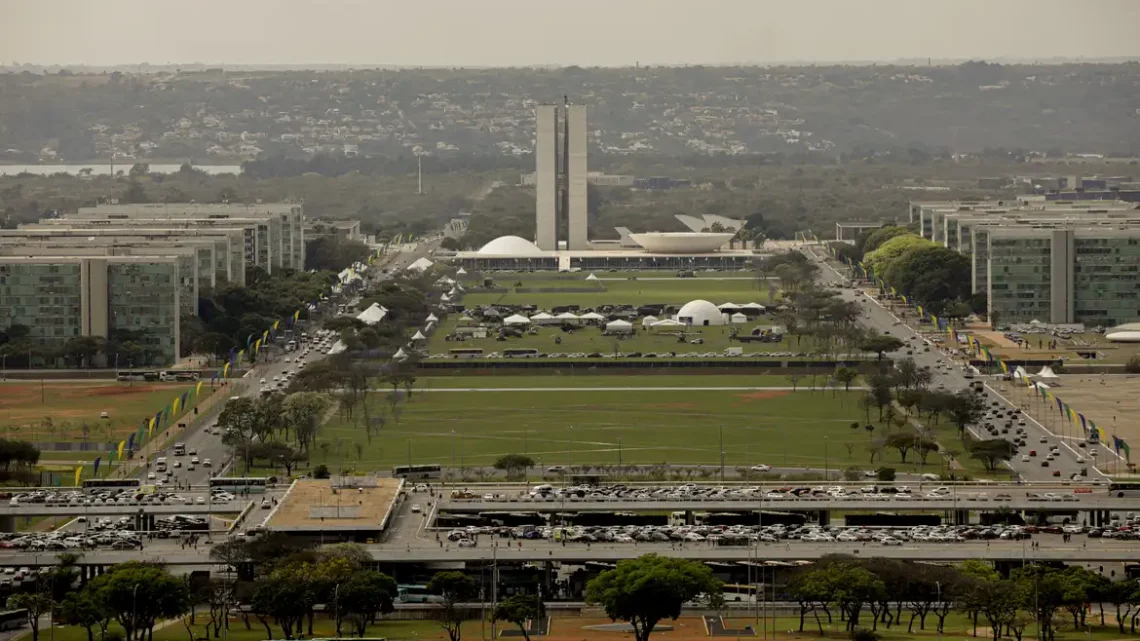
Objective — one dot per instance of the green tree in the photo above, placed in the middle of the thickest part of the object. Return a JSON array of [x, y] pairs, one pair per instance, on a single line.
[[139, 594], [645, 590], [80, 608], [455, 589], [846, 376], [965, 408], [365, 595], [880, 344], [513, 464], [36, 604], [885, 474], [520, 609]]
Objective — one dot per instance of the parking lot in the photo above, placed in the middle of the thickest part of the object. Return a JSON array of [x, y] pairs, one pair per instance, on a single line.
[[706, 493], [126, 496], [717, 535]]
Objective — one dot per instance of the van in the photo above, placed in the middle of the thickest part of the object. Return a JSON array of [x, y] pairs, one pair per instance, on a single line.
[[734, 351], [160, 462], [930, 477], [541, 489]]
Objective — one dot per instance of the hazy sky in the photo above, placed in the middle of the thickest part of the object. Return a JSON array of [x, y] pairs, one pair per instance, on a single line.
[[537, 32]]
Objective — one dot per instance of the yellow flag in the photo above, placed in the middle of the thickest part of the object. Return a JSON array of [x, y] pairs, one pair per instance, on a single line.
[[226, 370], [198, 387], [174, 405], [122, 444], [78, 473], [150, 427]]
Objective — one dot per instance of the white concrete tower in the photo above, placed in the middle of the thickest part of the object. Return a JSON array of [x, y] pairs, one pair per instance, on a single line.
[[576, 177], [546, 177]]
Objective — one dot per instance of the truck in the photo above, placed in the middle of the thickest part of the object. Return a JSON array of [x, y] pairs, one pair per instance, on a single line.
[[978, 386], [734, 351]]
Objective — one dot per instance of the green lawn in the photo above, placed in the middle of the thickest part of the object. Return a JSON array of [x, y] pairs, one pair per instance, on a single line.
[[509, 378], [739, 288], [35, 411], [800, 429], [687, 628]]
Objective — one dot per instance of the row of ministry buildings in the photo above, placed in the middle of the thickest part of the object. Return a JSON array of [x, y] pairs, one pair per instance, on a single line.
[[1052, 261], [140, 267]]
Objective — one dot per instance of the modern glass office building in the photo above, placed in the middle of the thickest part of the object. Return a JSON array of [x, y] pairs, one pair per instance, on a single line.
[[1087, 275], [59, 298]]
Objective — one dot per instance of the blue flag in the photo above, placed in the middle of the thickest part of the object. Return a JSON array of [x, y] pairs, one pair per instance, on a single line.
[[97, 461]]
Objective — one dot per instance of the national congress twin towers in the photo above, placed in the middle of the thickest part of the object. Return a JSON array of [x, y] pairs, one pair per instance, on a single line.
[[560, 177]]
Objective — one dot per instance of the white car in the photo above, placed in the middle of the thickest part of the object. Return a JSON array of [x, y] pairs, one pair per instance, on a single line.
[[761, 468], [206, 463], [416, 508], [194, 461], [891, 541]]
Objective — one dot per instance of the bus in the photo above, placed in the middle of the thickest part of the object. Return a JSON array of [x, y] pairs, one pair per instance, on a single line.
[[416, 594], [737, 593], [136, 375], [1121, 490], [13, 620], [417, 472], [91, 484], [238, 484], [520, 352], [466, 352]]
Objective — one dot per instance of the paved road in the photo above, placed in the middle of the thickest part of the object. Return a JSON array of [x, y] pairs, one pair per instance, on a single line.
[[880, 319], [1088, 502]]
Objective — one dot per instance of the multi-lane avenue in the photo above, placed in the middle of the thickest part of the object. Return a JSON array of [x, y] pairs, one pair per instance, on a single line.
[[880, 319]]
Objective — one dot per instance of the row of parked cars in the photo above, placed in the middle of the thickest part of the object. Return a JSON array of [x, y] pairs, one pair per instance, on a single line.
[[116, 534], [129, 496], [693, 492], [745, 534]]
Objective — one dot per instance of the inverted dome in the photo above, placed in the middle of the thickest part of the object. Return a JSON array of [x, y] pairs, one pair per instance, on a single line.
[[510, 246], [1125, 336], [681, 242], [700, 313]]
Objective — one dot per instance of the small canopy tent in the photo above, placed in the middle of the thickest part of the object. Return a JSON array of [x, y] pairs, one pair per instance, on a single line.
[[461, 272], [420, 265], [668, 322], [619, 327], [516, 319], [567, 317], [592, 316], [738, 318], [400, 354], [591, 277], [418, 336], [542, 318], [649, 320], [431, 318], [372, 315], [1047, 373], [728, 307]]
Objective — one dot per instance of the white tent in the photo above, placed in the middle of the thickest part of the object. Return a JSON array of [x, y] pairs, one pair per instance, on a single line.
[[420, 265], [461, 272], [464, 320], [648, 320], [445, 298], [418, 336], [668, 322], [337, 348], [400, 354], [591, 277], [372, 315], [1020, 372], [1047, 372], [619, 326], [592, 316], [728, 307], [542, 318], [756, 306], [445, 281], [567, 316], [429, 327], [738, 318], [516, 319], [431, 318], [453, 293]]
